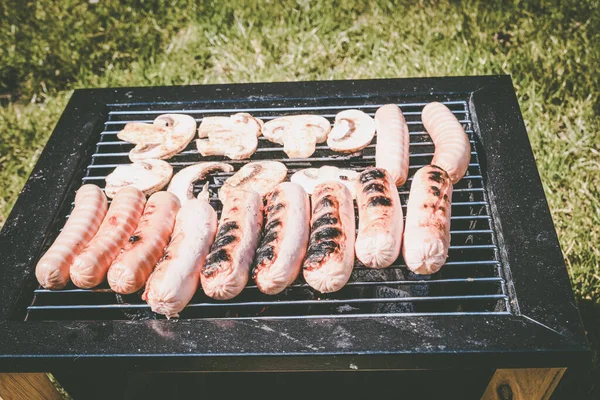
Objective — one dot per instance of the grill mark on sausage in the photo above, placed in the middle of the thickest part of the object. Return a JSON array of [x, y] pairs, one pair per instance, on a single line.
[[371, 174], [226, 227], [325, 219], [213, 261], [436, 176], [328, 233], [273, 208], [444, 181], [379, 201], [278, 207], [317, 252], [265, 252], [224, 241], [374, 187], [209, 270], [325, 202], [272, 225], [271, 236], [274, 195], [263, 255], [329, 245]]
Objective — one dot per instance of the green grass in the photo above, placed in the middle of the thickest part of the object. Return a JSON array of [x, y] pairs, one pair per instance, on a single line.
[[551, 49]]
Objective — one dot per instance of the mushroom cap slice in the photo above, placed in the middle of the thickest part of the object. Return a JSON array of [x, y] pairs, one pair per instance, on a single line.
[[297, 133], [309, 178], [240, 122], [275, 129], [261, 176], [235, 137], [182, 184], [320, 127], [353, 131], [149, 176], [162, 139], [300, 144]]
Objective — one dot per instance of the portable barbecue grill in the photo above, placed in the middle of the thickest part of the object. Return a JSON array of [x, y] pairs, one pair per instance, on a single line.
[[503, 299]]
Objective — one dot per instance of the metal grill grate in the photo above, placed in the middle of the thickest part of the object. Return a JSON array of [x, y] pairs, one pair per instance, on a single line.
[[471, 282]]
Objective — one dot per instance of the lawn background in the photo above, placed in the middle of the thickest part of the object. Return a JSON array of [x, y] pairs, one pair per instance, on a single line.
[[551, 49]]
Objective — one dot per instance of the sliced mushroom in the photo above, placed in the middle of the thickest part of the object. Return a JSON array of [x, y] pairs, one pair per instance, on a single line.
[[353, 131], [182, 184], [310, 177], [297, 133], [149, 176], [260, 176], [166, 136], [235, 137]]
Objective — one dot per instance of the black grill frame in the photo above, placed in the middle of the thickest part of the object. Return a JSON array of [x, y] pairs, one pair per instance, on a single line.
[[544, 329]]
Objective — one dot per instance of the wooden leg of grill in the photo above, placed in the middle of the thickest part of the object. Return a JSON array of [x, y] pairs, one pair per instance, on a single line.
[[525, 383], [27, 386]]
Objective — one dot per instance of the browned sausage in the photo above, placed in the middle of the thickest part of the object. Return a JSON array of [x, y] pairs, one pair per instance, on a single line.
[[380, 219], [330, 255], [129, 272], [227, 267], [52, 271], [176, 277], [283, 243], [427, 231], [90, 266]]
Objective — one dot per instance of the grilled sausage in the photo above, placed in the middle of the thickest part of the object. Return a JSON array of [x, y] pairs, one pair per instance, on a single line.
[[427, 231], [90, 266], [380, 219], [452, 146], [330, 255], [131, 269], [283, 244], [227, 267], [391, 150], [177, 275], [52, 271]]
